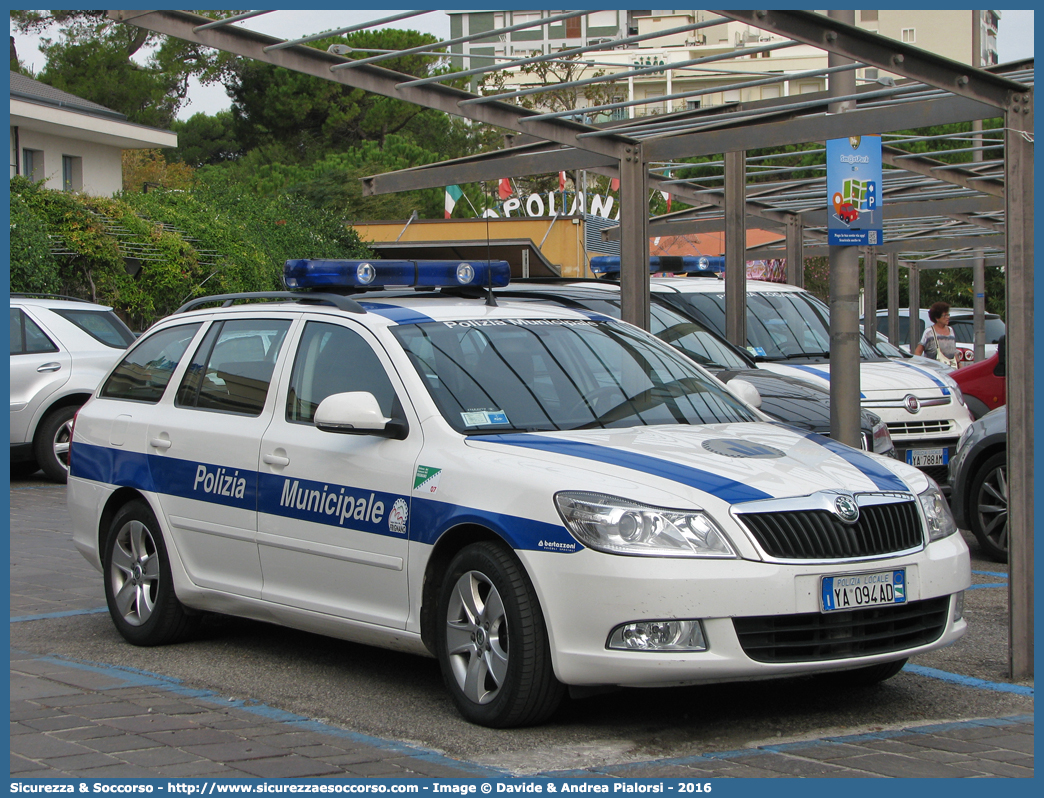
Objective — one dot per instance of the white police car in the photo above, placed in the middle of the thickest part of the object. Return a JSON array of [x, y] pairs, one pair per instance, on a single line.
[[538, 498]]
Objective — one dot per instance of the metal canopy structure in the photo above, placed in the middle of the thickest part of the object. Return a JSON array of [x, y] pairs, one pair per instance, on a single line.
[[936, 214]]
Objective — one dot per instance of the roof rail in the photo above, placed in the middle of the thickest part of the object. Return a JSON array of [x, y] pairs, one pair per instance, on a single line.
[[33, 295], [226, 300]]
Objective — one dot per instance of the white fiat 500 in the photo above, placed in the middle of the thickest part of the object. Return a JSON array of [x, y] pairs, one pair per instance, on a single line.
[[538, 498]]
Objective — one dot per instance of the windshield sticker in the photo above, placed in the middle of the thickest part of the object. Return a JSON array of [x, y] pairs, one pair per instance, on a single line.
[[426, 480], [480, 418], [758, 351]]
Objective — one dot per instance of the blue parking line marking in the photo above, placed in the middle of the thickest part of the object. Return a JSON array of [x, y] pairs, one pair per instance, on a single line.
[[968, 681], [133, 677], [988, 584], [43, 616], [1001, 574]]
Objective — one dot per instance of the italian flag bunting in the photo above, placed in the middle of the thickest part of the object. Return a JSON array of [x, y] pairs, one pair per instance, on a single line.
[[453, 193]]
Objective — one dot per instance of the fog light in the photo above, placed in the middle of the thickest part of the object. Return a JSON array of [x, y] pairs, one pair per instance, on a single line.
[[658, 636], [958, 606]]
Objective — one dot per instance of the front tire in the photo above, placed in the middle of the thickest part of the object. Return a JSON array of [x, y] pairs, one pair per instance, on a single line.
[[139, 589], [988, 513], [51, 445], [492, 642]]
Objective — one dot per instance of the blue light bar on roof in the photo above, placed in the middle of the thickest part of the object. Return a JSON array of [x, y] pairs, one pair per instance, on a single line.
[[609, 265], [332, 275]]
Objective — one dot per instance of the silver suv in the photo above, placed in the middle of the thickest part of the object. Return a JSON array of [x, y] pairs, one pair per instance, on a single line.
[[60, 350]]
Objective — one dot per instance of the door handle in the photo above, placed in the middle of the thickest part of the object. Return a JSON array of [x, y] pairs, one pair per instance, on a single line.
[[275, 460], [160, 443], [49, 367]]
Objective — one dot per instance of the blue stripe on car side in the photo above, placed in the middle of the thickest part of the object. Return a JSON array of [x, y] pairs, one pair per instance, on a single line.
[[722, 487], [823, 375], [306, 500], [928, 374], [399, 315], [881, 476]]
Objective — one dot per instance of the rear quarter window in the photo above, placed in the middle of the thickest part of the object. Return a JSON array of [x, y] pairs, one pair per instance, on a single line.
[[142, 375], [102, 325]]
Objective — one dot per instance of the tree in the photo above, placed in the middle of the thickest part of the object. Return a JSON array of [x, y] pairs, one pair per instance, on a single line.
[[205, 140], [309, 114], [130, 70]]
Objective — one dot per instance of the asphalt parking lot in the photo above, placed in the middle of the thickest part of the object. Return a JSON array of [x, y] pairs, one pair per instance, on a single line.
[[249, 699]]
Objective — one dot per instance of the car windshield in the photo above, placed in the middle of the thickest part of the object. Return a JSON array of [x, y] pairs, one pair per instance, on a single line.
[[494, 376], [684, 334], [102, 325], [781, 325]]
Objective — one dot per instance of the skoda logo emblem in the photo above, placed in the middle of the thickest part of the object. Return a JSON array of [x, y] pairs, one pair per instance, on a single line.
[[912, 403], [846, 508]]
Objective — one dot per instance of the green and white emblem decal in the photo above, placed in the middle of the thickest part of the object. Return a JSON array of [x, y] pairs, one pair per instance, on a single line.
[[426, 480]]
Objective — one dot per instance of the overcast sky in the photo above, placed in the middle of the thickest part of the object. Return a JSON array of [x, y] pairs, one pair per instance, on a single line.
[[1015, 40]]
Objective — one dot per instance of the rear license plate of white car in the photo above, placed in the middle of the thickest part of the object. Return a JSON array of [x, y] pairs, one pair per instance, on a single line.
[[927, 457], [857, 591]]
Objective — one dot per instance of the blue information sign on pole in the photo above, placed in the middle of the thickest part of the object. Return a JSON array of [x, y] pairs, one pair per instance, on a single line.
[[854, 215]]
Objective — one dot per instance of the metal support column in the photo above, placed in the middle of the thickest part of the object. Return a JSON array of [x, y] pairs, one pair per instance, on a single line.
[[870, 294], [893, 298], [736, 248], [795, 251], [844, 290], [1018, 185], [914, 334], [634, 236]]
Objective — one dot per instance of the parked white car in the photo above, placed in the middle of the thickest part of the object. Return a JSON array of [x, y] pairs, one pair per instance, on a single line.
[[962, 322], [60, 350], [788, 331], [536, 497]]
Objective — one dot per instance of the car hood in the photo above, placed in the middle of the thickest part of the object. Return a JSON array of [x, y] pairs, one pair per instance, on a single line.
[[876, 379], [729, 462]]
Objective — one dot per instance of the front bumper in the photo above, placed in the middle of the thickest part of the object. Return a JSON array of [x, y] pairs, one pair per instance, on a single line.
[[586, 595]]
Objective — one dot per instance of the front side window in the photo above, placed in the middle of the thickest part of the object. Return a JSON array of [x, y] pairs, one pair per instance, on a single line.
[[142, 375], [333, 359], [102, 325], [232, 367], [541, 374], [26, 336]]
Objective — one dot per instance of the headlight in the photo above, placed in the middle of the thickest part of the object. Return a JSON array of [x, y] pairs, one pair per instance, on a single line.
[[937, 513], [956, 391], [620, 526], [973, 433]]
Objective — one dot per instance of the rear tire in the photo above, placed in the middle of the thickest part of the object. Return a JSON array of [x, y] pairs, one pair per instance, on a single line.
[[492, 643], [51, 444], [988, 507], [138, 586]]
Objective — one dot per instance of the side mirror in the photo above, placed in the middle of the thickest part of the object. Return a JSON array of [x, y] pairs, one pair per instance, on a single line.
[[745, 391], [357, 413], [1002, 357]]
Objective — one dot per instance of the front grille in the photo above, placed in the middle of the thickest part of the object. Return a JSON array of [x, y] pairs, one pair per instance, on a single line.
[[900, 428], [815, 637], [821, 535]]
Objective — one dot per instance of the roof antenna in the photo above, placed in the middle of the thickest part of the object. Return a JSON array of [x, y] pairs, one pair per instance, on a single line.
[[490, 300]]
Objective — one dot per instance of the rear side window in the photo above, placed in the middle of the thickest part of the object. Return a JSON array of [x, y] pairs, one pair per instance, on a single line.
[[102, 325], [26, 336], [233, 366], [143, 374]]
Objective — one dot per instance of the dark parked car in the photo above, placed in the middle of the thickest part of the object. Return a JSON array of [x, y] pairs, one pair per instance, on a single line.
[[792, 401], [979, 483]]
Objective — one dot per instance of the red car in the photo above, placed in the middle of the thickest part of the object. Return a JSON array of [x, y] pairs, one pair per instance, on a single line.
[[983, 383], [848, 213]]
